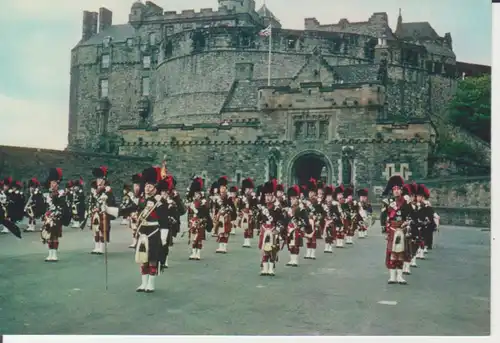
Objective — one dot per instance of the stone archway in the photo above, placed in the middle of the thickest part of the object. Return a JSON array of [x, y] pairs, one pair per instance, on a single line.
[[310, 164]]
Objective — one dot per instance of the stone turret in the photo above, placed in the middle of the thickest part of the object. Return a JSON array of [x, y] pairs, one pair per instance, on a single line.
[[239, 6], [137, 14]]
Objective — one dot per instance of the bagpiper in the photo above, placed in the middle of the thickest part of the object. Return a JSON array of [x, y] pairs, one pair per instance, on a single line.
[[340, 229], [5, 223], [320, 200], [151, 210], [134, 195], [77, 203], [297, 225], [16, 202], [332, 219], [180, 208], [125, 202], [214, 206], [225, 215], [428, 219], [351, 210], [272, 222], [100, 221], [365, 213], [199, 219], [58, 214], [170, 219], [235, 198], [397, 225], [316, 215], [35, 206], [410, 233], [247, 207]]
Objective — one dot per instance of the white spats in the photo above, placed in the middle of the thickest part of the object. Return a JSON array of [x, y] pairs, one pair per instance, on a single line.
[[348, 240], [265, 268], [222, 249], [308, 254], [294, 261], [425, 250], [413, 262], [75, 225], [328, 248], [271, 268], [98, 248], [406, 268], [361, 234], [313, 254], [198, 254], [387, 302], [399, 277], [30, 228], [233, 228], [150, 288], [193, 254], [392, 276], [420, 254], [340, 243], [4, 230], [52, 257], [144, 283], [246, 243]]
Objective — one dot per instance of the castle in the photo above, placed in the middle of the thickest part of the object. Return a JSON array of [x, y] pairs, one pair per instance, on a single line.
[[349, 102]]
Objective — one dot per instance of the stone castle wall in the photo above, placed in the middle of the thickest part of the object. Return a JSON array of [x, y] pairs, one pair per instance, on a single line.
[[24, 163]]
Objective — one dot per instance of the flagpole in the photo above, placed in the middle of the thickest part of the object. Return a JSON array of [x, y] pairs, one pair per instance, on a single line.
[[269, 58]]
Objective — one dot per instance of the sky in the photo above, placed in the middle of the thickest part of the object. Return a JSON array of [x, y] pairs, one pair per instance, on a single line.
[[37, 37]]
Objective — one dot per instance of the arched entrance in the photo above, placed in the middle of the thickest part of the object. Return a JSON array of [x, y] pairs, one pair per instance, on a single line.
[[310, 164]]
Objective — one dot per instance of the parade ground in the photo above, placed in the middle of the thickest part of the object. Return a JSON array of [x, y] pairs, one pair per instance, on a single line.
[[344, 293]]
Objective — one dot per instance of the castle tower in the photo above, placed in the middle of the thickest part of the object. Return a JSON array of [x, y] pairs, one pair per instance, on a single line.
[[239, 6], [399, 26], [137, 14]]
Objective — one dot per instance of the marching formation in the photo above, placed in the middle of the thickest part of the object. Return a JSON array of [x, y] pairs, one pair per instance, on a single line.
[[296, 217]]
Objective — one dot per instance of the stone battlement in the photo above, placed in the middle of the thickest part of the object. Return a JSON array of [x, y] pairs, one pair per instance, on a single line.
[[315, 95]]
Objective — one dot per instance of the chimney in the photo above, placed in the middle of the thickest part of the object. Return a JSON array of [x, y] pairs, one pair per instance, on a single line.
[[89, 24], [105, 19]]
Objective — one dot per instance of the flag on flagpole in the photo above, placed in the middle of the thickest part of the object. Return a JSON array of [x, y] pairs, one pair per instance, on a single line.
[[265, 32]]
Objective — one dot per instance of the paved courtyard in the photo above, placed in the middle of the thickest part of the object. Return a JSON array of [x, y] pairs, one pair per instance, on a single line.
[[341, 294]]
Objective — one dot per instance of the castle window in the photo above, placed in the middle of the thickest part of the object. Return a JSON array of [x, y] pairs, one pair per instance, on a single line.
[[105, 61], [311, 130], [146, 62], [145, 86], [103, 88], [299, 130], [438, 68], [152, 38], [107, 41], [130, 42], [323, 129]]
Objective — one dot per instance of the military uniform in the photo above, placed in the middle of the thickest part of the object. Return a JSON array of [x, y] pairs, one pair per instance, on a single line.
[[365, 213], [332, 219], [297, 224], [100, 221], [58, 214], [200, 220], [397, 227], [225, 215], [35, 205], [78, 203], [246, 209]]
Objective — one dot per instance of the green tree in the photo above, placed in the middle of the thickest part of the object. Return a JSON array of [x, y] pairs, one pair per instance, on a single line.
[[470, 108]]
